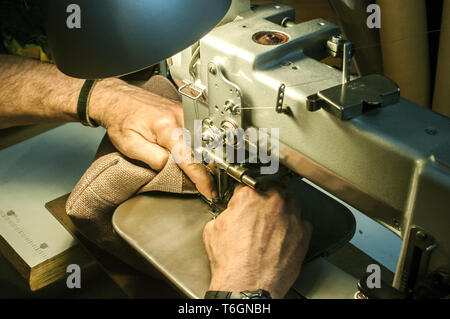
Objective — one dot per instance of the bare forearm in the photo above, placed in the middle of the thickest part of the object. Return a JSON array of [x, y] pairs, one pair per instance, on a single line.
[[139, 123], [32, 92], [35, 92]]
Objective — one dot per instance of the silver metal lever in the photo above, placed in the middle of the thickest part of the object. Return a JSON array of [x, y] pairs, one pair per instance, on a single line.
[[192, 88], [346, 61]]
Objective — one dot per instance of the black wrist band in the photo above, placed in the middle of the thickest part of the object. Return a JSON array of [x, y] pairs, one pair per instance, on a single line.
[[83, 104], [254, 294]]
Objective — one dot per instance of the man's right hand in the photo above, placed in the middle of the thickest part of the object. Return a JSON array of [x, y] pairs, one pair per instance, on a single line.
[[258, 242], [141, 125]]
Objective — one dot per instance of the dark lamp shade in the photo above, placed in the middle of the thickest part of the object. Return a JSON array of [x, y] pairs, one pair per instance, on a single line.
[[105, 38]]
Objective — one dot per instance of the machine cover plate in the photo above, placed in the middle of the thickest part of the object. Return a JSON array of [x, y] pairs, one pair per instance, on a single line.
[[167, 230]]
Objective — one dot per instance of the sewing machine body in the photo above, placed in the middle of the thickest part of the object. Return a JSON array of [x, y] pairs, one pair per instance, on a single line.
[[392, 163]]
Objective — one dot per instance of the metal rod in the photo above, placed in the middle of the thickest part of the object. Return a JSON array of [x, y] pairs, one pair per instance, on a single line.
[[346, 60]]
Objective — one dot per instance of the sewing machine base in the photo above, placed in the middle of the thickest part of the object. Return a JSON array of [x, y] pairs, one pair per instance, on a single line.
[[166, 229]]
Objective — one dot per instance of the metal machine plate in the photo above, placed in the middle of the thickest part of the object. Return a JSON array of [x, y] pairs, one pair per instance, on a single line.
[[167, 230]]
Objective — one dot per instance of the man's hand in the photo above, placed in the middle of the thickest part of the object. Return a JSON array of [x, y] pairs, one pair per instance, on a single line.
[[141, 126], [256, 243]]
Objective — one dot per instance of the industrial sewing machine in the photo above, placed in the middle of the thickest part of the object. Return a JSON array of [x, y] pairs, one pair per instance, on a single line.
[[354, 137]]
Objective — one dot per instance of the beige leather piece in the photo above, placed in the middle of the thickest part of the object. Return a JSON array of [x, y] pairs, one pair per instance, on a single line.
[[167, 230], [158, 84]]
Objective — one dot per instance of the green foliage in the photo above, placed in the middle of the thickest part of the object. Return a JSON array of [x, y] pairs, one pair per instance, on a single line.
[[22, 20]]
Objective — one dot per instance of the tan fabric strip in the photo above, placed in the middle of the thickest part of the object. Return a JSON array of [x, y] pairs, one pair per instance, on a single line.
[[112, 179]]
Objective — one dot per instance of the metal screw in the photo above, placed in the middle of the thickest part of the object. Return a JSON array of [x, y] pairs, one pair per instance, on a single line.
[[421, 235], [360, 295], [287, 22], [230, 107], [212, 69], [337, 39], [207, 121]]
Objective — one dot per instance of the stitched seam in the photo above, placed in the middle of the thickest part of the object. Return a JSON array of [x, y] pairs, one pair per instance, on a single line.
[[105, 201], [90, 181]]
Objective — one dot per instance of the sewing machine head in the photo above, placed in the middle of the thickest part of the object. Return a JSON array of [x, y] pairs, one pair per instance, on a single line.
[[354, 137], [256, 94]]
